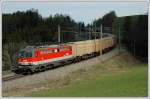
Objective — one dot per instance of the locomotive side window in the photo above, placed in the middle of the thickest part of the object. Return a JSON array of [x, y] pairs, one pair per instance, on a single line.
[[47, 51], [50, 51]]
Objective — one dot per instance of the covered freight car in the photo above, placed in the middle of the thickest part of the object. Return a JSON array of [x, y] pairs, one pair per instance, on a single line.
[[88, 48]]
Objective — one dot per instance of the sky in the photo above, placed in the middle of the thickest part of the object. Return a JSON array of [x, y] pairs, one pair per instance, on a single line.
[[79, 11]]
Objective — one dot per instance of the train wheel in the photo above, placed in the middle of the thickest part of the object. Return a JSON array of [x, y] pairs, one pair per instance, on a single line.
[[30, 72], [48, 67], [36, 69], [79, 59], [52, 66], [43, 68], [83, 57], [76, 60]]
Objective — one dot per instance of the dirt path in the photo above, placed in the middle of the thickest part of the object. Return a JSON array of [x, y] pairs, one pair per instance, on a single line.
[[9, 88]]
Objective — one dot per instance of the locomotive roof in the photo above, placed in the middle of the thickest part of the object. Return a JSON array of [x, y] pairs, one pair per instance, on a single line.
[[44, 46]]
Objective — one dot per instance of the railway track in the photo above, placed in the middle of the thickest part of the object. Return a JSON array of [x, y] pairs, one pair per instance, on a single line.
[[16, 76], [12, 77]]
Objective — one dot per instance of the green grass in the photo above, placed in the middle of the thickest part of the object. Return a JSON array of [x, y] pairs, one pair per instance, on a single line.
[[133, 82], [122, 75]]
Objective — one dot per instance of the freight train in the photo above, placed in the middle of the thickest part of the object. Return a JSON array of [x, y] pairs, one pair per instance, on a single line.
[[40, 58]]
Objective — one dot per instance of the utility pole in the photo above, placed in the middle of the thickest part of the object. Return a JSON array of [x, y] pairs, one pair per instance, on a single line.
[[119, 38], [79, 28], [92, 29], [101, 40], [95, 29], [89, 33], [94, 35], [58, 34], [134, 47]]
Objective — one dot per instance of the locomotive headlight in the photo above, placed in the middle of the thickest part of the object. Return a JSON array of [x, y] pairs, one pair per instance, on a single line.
[[29, 63]]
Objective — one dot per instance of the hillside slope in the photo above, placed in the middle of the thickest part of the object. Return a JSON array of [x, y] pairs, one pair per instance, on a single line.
[[122, 75]]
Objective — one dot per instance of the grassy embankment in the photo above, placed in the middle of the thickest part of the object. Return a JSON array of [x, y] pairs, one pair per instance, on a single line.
[[122, 76]]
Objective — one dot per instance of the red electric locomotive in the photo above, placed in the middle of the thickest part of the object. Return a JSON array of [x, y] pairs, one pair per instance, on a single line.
[[39, 58]]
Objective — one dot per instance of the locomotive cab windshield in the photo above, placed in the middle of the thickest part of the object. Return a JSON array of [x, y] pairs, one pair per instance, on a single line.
[[24, 54]]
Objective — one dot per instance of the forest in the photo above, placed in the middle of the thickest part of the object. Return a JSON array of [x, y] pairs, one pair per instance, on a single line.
[[20, 29]]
